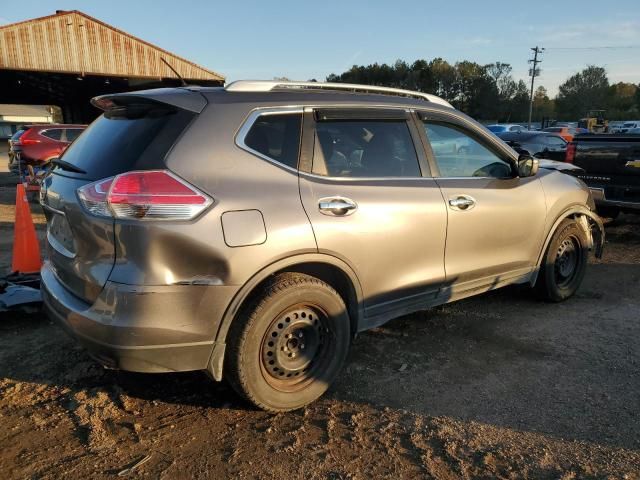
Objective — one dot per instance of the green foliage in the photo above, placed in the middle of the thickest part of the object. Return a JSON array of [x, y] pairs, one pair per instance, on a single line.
[[490, 93], [586, 90]]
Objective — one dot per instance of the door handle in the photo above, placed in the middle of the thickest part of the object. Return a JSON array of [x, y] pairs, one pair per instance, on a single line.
[[462, 202], [337, 206]]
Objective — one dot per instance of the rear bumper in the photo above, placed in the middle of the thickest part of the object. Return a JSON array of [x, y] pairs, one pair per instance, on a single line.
[[141, 328], [599, 196]]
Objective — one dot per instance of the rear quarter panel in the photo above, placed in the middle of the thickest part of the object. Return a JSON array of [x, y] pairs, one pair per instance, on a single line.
[[208, 157]]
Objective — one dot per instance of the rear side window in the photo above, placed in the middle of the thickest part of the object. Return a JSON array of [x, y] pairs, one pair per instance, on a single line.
[[276, 136], [73, 133], [53, 134], [132, 138], [364, 148]]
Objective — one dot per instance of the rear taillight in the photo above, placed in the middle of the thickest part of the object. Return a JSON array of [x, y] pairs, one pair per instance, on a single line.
[[144, 195], [94, 197], [28, 138], [571, 153]]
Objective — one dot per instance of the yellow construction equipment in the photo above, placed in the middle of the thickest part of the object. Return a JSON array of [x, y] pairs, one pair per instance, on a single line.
[[595, 122]]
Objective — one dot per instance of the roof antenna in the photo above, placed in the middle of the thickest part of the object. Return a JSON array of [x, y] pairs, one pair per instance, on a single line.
[[184, 84]]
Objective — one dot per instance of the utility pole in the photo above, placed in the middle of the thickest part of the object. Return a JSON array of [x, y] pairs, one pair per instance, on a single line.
[[533, 72]]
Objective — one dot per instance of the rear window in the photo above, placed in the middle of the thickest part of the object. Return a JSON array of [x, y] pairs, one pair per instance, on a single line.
[[132, 138]]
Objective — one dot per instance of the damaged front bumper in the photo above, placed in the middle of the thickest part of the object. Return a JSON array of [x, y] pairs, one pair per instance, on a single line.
[[594, 230]]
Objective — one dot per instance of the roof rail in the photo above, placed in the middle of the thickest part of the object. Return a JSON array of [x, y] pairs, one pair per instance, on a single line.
[[271, 85]]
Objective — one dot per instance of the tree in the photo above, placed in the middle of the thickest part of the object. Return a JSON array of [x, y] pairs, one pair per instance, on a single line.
[[489, 92], [543, 106], [477, 91], [444, 77], [622, 101], [583, 91]]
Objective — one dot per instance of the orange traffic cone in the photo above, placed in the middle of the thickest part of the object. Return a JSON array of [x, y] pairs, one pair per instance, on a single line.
[[26, 251]]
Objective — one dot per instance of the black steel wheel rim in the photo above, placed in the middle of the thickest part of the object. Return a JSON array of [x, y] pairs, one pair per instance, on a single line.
[[296, 347], [567, 261]]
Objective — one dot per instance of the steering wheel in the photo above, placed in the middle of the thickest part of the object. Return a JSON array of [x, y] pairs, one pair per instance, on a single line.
[[494, 170]]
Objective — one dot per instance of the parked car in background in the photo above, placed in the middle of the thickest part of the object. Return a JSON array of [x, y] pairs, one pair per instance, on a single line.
[[626, 126], [207, 229], [538, 144], [506, 127], [615, 126], [565, 132], [611, 164], [38, 144], [12, 141]]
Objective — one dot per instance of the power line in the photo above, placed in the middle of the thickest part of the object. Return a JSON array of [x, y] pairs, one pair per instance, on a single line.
[[533, 72], [608, 47]]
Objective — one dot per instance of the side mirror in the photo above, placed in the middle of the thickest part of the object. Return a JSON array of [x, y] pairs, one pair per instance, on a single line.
[[527, 166]]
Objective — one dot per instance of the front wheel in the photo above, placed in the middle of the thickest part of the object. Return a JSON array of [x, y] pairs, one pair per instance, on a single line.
[[286, 347], [564, 263]]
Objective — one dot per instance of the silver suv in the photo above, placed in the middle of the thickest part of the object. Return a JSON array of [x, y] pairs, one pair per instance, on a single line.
[[254, 230]]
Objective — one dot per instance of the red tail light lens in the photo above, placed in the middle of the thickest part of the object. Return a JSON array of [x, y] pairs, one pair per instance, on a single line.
[[144, 195], [28, 138], [571, 153]]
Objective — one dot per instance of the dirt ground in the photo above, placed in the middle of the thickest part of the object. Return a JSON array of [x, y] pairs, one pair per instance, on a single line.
[[497, 386]]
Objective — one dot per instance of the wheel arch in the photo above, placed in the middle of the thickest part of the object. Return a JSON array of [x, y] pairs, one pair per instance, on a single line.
[[327, 268], [587, 219]]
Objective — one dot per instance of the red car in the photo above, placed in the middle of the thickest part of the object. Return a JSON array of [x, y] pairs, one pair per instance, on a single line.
[[40, 143]]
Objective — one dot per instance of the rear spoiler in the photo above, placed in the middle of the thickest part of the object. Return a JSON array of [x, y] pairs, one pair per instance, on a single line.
[[176, 97]]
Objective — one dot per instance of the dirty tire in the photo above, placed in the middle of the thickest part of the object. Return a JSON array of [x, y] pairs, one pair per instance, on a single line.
[[564, 263], [288, 345]]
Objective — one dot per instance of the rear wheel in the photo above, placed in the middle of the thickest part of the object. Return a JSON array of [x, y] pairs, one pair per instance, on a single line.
[[287, 347], [564, 263]]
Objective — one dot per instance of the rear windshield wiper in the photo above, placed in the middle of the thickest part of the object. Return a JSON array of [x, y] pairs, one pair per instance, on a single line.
[[67, 166]]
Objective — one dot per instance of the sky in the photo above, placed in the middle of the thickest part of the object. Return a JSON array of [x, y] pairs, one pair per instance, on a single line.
[[302, 40]]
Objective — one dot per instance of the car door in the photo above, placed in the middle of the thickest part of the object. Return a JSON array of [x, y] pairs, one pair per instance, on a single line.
[[372, 203], [495, 219]]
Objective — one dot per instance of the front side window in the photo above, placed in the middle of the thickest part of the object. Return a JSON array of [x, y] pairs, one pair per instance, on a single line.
[[276, 136], [460, 155], [364, 148]]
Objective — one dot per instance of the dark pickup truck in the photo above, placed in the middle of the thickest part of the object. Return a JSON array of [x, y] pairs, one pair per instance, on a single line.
[[611, 165]]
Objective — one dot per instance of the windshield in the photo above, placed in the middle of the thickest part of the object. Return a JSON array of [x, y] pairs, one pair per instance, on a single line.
[[497, 128]]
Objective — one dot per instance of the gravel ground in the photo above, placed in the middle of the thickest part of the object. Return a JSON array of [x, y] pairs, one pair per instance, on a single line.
[[497, 386]]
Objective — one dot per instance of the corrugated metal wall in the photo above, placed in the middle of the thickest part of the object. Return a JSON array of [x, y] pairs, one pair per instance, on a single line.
[[76, 43]]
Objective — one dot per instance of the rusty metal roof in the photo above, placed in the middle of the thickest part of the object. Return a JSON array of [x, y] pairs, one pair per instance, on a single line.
[[73, 42]]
